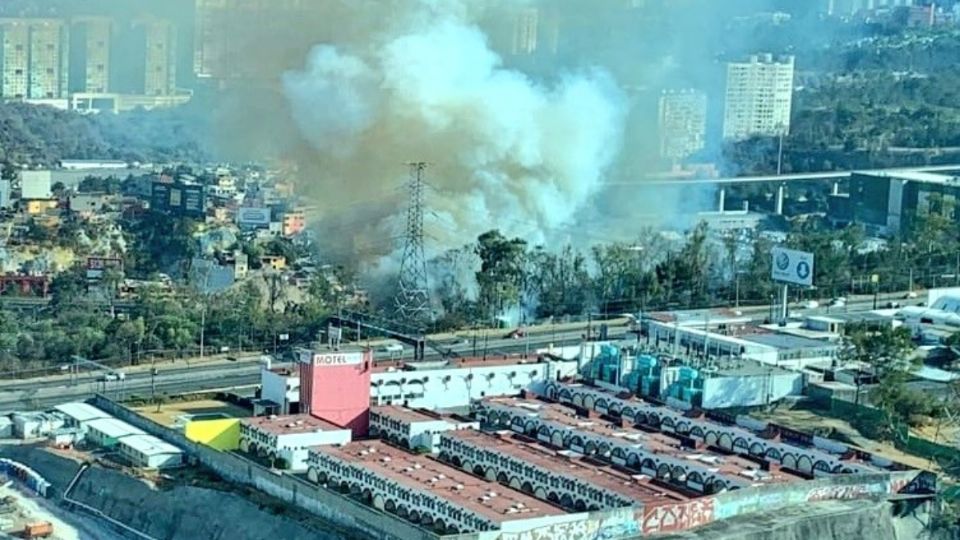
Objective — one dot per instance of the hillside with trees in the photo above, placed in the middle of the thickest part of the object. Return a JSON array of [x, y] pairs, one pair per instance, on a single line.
[[42, 136]]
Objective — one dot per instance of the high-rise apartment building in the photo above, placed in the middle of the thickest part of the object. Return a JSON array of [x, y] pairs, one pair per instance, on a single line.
[[850, 7], [759, 97], [16, 59], [49, 57], [35, 58], [96, 59], [237, 39], [526, 26], [160, 58], [682, 123]]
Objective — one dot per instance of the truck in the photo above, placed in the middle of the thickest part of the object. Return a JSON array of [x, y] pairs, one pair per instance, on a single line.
[[40, 529]]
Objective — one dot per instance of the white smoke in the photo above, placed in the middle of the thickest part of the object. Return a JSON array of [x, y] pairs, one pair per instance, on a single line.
[[504, 151]]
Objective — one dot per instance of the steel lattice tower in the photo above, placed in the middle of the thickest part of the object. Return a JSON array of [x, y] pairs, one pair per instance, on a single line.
[[413, 304]]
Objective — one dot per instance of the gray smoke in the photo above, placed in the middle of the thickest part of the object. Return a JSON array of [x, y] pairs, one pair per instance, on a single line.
[[505, 151]]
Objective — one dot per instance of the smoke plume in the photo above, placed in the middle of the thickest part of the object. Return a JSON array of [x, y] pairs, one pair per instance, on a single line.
[[505, 151]]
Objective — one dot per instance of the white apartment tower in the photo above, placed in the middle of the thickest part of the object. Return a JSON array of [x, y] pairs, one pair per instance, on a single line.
[[525, 31], [16, 59], [97, 42], [160, 62], [35, 58], [682, 123], [851, 7], [759, 97]]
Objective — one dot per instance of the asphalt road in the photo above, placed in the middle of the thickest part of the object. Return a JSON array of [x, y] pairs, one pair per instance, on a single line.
[[36, 394], [45, 393]]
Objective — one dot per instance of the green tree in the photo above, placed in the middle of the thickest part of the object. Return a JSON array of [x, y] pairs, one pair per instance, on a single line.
[[502, 271]]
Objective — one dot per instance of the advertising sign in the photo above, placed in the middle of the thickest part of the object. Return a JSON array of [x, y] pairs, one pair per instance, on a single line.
[[791, 266], [254, 216], [337, 359]]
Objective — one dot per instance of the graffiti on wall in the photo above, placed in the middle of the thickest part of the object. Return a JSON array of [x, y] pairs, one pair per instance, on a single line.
[[607, 525], [923, 483], [832, 493], [678, 517]]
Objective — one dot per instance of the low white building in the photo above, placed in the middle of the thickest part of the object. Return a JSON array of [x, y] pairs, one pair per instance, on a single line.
[[107, 432], [442, 384], [149, 452], [31, 425], [413, 428], [282, 387], [79, 414], [455, 383], [287, 438]]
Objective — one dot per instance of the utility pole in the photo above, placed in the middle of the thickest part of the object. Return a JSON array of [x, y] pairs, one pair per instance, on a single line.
[[203, 326], [412, 301]]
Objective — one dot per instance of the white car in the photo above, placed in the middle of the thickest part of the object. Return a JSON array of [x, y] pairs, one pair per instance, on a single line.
[[811, 304]]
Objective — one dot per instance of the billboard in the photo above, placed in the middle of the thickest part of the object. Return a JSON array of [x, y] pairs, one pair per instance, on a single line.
[[253, 216], [336, 359], [792, 266]]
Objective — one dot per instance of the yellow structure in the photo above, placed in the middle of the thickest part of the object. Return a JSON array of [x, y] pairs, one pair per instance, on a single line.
[[220, 433], [39, 206]]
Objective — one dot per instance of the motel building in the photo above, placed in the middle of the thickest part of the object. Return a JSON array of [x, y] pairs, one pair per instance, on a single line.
[[562, 478], [816, 457], [413, 428], [286, 438], [421, 490]]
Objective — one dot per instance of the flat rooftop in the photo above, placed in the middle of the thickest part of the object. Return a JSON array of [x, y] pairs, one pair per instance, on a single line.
[[113, 428], [733, 467], [405, 415], [290, 424], [633, 487], [455, 363], [744, 368], [177, 413], [787, 341], [149, 445], [81, 412], [913, 176], [489, 499]]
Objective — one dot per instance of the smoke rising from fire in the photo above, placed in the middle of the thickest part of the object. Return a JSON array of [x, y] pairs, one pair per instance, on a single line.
[[505, 151]]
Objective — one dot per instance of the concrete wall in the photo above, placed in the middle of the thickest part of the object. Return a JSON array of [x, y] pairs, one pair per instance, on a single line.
[[752, 390]]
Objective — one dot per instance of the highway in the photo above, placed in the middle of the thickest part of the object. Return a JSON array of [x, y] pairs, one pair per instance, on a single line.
[[784, 178], [43, 393]]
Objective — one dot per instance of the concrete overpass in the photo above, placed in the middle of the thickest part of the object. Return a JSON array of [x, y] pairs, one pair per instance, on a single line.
[[782, 181], [783, 178]]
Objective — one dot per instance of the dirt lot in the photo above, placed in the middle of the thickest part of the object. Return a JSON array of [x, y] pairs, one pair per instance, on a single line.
[[66, 526], [169, 412], [812, 422]]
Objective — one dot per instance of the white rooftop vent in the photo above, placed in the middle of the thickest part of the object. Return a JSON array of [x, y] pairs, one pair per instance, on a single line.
[[442, 476], [363, 452], [458, 487], [417, 466], [491, 494], [385, 459]]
